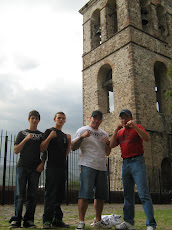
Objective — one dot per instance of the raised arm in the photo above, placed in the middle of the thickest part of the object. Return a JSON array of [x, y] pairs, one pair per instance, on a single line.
[[113, 141], [143, 134], [76, 143], [18, 148], [45, 143]]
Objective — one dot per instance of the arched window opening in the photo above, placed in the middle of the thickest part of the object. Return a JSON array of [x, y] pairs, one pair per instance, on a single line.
[[145, 13], [161, 83], [162, 22], [166, 175], [95, 29], [105, 89], [107, 84], [111, 15]]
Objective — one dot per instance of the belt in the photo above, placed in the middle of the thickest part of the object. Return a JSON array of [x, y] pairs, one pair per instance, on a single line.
[[130, 158]]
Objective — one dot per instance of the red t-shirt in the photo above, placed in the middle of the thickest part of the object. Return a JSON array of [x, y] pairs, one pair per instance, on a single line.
[[130, 142]]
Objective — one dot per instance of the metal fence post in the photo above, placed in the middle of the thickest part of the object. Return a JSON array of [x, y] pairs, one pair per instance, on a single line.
[[67, 181], [108, 172], [1, 144], [4, 170]]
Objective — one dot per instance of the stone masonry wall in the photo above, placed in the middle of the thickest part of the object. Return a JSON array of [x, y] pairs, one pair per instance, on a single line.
[[132, 53]]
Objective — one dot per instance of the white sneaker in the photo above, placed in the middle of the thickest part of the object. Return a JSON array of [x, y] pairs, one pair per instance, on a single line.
[[150, 228], [125, 225], [81, 226], [102, 224]]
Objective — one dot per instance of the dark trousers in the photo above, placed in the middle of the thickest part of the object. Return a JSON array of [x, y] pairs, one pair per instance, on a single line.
[[26, 179], [54, 194]]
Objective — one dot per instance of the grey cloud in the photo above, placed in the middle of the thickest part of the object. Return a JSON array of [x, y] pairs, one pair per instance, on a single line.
[[14, 117], [25, 63], [8, 84], [16, 102]]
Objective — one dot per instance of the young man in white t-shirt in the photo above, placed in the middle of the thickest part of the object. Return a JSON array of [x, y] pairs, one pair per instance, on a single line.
[[94, 145]]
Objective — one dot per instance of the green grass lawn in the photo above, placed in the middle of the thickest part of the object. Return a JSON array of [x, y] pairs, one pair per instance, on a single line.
[[163, 215]]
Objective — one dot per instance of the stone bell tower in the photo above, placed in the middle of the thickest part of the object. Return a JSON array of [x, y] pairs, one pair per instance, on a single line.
[[126, 55]]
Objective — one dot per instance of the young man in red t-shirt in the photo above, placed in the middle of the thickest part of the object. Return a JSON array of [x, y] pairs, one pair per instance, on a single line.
[[130, 137]]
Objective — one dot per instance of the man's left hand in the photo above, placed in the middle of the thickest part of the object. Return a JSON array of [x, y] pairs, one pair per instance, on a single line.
[[106, 140]]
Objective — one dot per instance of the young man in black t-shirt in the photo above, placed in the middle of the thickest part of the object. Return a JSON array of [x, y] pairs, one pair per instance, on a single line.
[[28, 171], [58, 146]]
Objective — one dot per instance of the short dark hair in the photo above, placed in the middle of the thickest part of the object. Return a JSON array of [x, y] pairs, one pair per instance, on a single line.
[[34, 113], [97, 113], [59, 113]]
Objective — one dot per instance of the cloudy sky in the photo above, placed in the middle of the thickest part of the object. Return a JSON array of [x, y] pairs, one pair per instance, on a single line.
[[41, 48]]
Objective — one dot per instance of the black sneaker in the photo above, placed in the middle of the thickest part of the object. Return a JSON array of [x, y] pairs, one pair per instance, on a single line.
[[15, 224], [59, 224], [29, 224]]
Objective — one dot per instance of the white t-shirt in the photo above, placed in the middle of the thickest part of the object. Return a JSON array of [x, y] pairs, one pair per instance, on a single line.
[[93, 148]]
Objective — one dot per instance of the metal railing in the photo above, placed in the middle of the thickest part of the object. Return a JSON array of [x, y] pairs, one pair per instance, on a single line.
[[8, 162]]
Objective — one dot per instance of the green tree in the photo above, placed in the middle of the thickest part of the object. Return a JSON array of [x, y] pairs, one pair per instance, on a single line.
[[168, 93]]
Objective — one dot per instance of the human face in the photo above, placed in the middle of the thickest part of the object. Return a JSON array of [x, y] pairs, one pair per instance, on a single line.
[[124, 119], [60, 119], [95, 122], [33, 120]]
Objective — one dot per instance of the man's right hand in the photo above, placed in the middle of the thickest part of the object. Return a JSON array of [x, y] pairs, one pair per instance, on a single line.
[[76, 144], [85, 134], [119, 127], [53, 134], [113, 141], [29, 137], [18, 148]]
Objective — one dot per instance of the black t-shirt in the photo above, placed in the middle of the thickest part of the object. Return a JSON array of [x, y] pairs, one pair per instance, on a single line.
[[30, 154], [56, 149]]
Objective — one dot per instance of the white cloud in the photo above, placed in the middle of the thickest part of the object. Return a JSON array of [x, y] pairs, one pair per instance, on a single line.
[[40, 62]]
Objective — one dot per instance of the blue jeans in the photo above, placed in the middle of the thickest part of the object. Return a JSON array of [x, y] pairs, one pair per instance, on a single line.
[[30, 178], [134, 172], [54, 194], [93, 184]]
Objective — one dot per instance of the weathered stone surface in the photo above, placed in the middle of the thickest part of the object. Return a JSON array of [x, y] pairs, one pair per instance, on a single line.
[[139, 56]]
